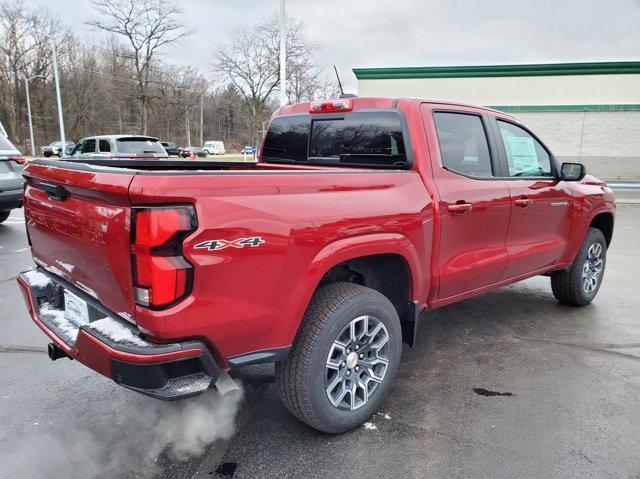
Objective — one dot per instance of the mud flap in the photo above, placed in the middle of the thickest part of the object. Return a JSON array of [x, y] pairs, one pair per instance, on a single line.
[[409, 324]]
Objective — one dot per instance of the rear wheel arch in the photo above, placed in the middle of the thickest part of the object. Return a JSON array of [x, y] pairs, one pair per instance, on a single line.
[[387, 273], [363, 250]]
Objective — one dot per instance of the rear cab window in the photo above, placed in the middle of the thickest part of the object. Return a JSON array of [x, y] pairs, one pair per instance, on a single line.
[[359, 138], [139, 145]]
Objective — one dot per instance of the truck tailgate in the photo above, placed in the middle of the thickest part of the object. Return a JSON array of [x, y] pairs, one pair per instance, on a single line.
[[78, 224]]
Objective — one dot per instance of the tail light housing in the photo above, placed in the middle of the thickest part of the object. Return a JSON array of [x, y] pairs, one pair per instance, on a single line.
[[161, 275], [21, 160]]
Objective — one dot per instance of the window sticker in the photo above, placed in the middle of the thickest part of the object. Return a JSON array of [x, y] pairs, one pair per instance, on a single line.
[[522, 154]]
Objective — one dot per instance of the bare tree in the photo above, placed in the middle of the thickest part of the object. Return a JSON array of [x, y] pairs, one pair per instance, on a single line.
[[147, 26], [25, 51], [249, 61]]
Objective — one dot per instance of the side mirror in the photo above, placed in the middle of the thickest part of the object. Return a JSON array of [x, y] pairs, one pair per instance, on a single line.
[[572, 171]]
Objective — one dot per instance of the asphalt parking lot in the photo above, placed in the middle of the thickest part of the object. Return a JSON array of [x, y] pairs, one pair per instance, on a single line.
[[509, 384]]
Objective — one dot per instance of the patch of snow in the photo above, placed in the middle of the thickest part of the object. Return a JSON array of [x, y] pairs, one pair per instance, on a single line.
[[67, 266], [21, 250], [370, 426], [386, 415], [116, 332], [37, 279], [64, 327]]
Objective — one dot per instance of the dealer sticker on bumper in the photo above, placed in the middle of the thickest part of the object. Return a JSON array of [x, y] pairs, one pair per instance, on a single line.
[[75, 308]]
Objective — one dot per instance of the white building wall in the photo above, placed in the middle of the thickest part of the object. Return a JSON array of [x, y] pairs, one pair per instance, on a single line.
[[608, 143], [505, 91]]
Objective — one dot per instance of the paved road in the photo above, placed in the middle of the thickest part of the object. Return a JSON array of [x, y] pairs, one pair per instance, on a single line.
[[574, 376]]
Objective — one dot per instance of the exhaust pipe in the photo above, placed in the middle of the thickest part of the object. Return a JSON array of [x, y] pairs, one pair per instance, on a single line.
[[226, 385], [56, 352]]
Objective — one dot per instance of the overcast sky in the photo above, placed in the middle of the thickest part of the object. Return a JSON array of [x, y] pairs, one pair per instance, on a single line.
[[389, 33]]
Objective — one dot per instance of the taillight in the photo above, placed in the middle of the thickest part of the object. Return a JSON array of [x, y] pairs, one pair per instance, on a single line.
[[161, 275], [21, 160], [331, 106]]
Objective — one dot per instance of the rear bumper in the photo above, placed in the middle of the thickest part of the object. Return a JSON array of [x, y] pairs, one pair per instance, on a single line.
[[114, 347], [10, 199]]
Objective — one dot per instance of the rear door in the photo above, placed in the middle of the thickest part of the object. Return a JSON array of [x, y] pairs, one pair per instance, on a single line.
[[541, 212], [78, 221], [474, 204]]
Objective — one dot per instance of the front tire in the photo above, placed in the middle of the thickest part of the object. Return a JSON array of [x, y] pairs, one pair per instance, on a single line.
[[578, 285], [344, 359]]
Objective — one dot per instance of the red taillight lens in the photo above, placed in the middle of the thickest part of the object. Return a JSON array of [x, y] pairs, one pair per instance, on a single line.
[[331, 106], [161, 274], [155, 227], [21, 160]]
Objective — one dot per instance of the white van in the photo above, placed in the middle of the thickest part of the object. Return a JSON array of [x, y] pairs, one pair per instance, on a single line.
[[214, 148]]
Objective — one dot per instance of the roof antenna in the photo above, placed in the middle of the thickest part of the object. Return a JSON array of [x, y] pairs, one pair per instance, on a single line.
[[342, 93], [339, 82]]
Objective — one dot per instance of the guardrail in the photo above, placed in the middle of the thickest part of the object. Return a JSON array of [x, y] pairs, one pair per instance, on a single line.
[[624, 185]]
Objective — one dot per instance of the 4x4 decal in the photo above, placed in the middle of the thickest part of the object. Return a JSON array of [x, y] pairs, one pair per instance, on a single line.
[[217, 245]]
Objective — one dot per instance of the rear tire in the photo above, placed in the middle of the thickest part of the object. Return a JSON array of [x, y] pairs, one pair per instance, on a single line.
[[4, 215], [578, 285], [350, 338]]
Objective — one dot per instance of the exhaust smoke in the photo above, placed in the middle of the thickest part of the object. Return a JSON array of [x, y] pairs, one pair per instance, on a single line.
[[105, 440]]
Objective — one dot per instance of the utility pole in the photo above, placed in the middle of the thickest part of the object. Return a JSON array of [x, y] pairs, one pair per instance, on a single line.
[[33, 146], [186, 117], [283, 55], [59, 97], [201, 122]]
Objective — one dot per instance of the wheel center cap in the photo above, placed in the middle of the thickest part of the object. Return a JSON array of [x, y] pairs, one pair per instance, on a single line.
[[352, 360]]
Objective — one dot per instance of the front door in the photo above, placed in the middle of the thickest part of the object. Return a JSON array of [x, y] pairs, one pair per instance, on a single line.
[[541, 212], [474, 205]]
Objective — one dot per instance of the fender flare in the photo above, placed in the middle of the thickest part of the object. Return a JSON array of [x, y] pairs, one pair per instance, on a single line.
[[345, 249], [579, 231]]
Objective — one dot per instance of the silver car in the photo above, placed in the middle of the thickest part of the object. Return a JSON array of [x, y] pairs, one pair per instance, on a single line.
[[115, 147], [11, 180]]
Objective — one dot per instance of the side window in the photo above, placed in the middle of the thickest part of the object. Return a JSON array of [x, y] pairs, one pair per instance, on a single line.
[[89, 146], [525, 155], [78, 148], [105, 146], [463, 144]]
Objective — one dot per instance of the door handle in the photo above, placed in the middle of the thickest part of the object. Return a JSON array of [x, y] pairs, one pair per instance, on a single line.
[[523, 202], [459, 207]]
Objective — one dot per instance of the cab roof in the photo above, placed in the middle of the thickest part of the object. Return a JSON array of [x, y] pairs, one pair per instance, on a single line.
[[362, 103]]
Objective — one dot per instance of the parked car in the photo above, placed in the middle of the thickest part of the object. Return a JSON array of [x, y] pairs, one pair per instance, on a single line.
[[11, 181], [171, 148], [249, 150], [214, 148], [119, 147], [197, 151], [55, 148], [360, 214]]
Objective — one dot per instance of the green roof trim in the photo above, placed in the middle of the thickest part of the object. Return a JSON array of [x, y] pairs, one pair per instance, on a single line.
[[538, 69], [541, 108]]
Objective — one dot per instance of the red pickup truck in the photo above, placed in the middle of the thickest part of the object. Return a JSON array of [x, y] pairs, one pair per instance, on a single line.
[[360, 214]]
